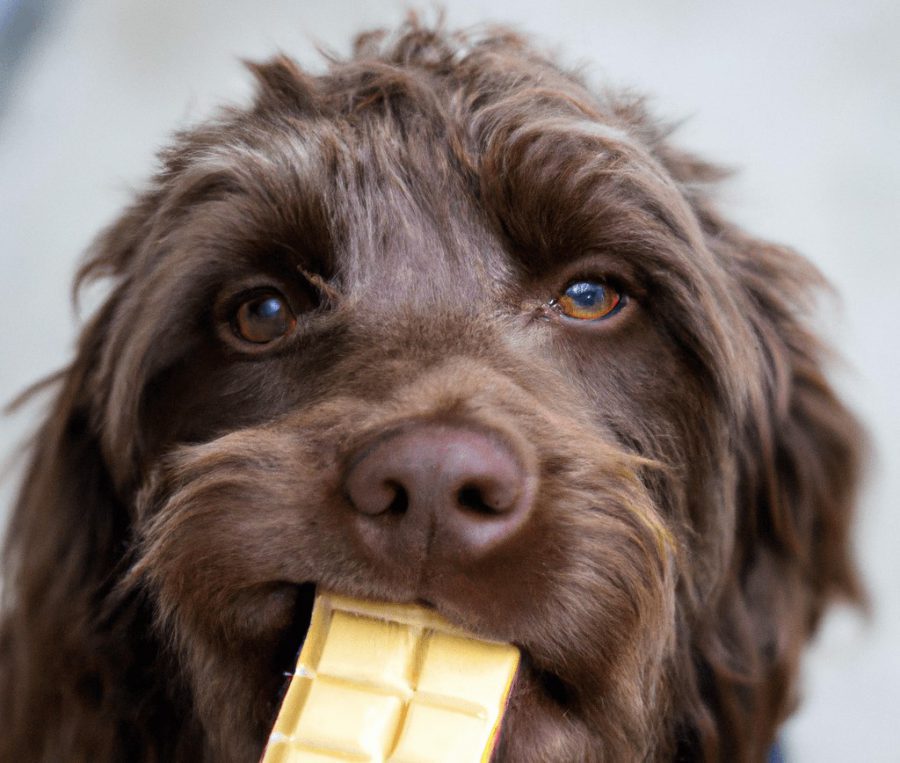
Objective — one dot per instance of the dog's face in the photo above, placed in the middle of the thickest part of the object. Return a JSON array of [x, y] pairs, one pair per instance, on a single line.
[[447, 328]]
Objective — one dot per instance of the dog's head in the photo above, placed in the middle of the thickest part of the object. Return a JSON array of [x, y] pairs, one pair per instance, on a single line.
[[439, 325]]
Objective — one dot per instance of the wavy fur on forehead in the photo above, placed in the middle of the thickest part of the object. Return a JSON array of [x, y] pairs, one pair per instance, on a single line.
[[532, 158]]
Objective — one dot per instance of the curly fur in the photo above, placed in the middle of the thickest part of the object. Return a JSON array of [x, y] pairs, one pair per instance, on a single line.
[[424, 201]]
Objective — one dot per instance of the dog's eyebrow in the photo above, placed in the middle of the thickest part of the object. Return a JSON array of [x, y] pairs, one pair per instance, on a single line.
[[248, 168], [272, 186], [563, 186], [612, 140]]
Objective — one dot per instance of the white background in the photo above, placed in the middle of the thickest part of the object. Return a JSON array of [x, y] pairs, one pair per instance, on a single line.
[[803, 98]]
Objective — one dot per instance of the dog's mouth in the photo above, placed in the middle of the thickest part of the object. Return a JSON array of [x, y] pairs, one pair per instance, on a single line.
[[545, 681], [532, 675], [294, 634]]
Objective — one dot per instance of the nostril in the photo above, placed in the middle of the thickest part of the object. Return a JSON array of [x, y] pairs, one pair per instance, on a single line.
[[372, 492], [472, 497], [400, 504]]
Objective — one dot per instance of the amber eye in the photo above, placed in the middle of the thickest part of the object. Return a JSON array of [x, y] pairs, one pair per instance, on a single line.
[[263, 318], [589, 300]]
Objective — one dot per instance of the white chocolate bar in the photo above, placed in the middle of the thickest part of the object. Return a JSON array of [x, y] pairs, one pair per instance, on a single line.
[[391, 682]]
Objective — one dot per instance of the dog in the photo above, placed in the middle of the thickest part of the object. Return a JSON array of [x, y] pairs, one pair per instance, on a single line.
[[438, 325]]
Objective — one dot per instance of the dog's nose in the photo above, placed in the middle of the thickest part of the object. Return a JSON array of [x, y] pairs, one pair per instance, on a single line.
[[441, 489]]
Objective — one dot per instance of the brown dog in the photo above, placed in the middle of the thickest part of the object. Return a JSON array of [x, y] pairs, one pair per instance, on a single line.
[[439, 325]]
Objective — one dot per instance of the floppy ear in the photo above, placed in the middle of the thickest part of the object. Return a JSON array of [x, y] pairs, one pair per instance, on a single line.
[[67, 671], [802, 458], [798, 454]]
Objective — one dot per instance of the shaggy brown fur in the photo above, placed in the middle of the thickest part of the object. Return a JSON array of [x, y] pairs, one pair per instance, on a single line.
[[420, 206]]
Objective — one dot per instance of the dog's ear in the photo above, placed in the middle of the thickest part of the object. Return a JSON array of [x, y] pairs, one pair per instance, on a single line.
[[799, 448], [802, 454], [64, 548], [799, 453]]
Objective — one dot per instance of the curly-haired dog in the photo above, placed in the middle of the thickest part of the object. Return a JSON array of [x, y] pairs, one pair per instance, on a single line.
[[439, 325]]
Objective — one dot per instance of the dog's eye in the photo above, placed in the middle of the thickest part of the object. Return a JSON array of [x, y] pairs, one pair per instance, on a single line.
[[588, 300], [263, 318]]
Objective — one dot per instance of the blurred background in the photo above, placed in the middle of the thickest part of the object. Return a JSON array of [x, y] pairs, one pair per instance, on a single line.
[[802, 98]]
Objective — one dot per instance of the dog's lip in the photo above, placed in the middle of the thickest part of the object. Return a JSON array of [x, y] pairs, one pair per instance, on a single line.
[[532, 674], [545, 680]]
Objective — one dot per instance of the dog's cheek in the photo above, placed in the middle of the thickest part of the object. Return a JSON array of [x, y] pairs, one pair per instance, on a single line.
[[233, 645], [235, 695], [535, 730], [609, 629], [226, 546], [203, 578]]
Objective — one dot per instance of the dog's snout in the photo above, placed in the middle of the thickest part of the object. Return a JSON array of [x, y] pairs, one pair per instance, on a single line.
[[441, 488]]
